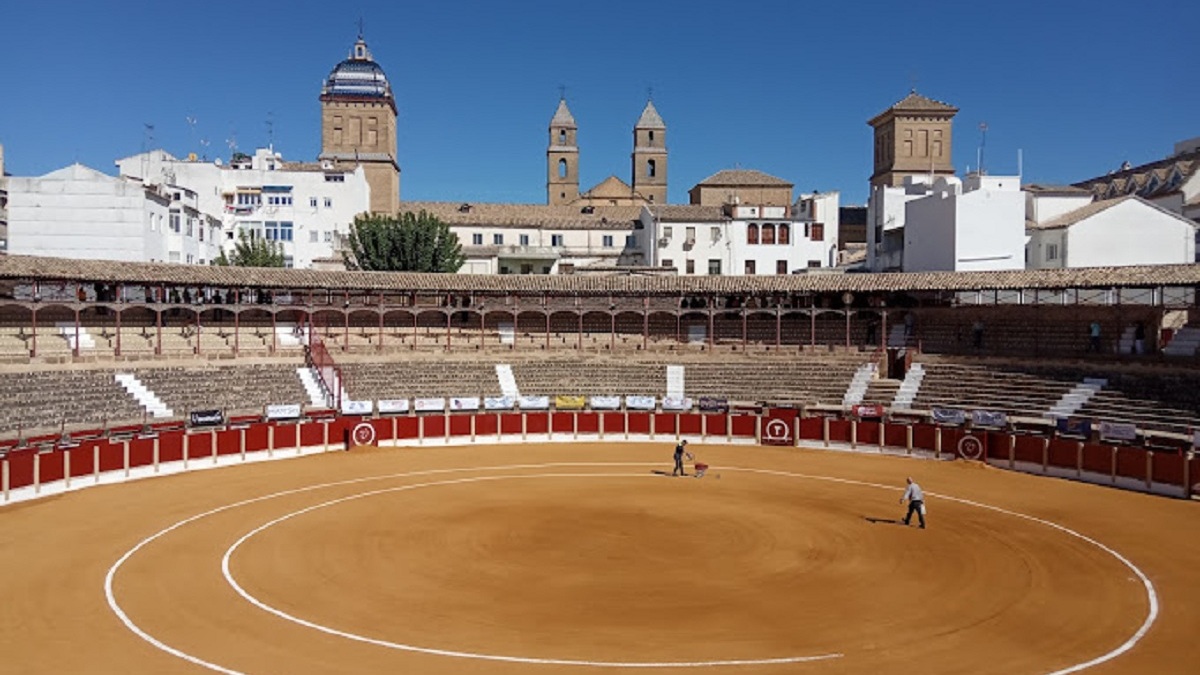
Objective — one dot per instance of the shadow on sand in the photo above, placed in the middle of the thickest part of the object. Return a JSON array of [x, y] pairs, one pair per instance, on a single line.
[[888, 521]]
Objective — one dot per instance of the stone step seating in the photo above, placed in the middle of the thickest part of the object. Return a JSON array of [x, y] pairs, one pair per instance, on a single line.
[[420, 378], [44, 399], [243, 388], [967, 386], [881, 392]]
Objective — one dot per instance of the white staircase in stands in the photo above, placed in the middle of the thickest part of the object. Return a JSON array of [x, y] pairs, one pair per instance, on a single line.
[[859, 383], [1185, 342], [288, 336], [1073, 400], [508, 381], [312, 387], [909, 387], [675, 381], [142, 394], [508, 334], [67, 330]]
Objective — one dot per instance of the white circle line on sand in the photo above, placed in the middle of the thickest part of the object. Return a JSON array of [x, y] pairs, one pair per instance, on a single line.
[[114, 605], [531, 660]]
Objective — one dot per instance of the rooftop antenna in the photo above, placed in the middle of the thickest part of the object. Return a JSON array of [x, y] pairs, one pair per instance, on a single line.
[[191, 122], [360, 28], [147, 136], [650, 94], [982, 145], [271, 131], [204, 149]]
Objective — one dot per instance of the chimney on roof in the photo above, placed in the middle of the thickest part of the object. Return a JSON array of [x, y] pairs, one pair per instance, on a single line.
[[1125, 166]]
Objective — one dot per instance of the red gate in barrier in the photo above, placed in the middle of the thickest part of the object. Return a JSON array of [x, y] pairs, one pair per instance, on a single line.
[[716, 424]]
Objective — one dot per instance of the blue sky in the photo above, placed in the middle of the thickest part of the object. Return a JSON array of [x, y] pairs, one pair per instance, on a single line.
[[781, 86]]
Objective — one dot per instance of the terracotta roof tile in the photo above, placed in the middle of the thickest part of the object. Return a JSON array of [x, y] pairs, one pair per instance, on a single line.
[[679, 213], [529, 215], [739, 177]]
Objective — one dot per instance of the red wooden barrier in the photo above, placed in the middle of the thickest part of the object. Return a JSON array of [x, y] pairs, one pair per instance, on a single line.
[[1194, 478], [1168, 468], [588, 422], [20, 468], [639, 423], [141, 452], [839, 431], [716, 424], [53, 466], [383, 430], [689, 424], [1029, 449], [170, 446], [285, 435], [312, 434], [537, 423], [664, 424], [924, 436], [199, 444], [337, 429], [896, 435], [563, 422], [460, 425], [614, 423], [510, 423], [1131, 463], [1097, 458], [486, 424], [1063, 453], [229, 442], [812, 428], [435, 426], [868, 432], [950, 438], [257, 438], [112, 456], [407, 427], [83, 458], [743, 426]]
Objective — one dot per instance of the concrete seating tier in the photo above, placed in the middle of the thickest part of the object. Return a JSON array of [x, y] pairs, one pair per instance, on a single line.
[[243, 388], [44, 400]]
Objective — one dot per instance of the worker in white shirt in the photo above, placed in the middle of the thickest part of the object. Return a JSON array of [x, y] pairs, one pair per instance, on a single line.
[[916, 502]]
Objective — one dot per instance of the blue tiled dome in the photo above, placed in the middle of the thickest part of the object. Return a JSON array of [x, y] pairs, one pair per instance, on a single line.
[[358, 76]]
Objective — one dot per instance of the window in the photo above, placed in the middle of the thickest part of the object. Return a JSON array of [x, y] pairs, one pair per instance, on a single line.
[[784, 233], [781, 267], [312, 202], [630, 241], [814, 263], [750, 267], [249, 199], [498, 239], [667, 232], [174, 219], [562, 136], [288, 261], [279, 200], [691, 266], [556, 240], [477, 239], [173, 256], [328, 202], [191, 226], [714, 267], [607, 241], [667, 262], [328, 236], [1052, 252], [817, 232], [526, 268], [335, 178], [651, 168], [524, 239], [691, 236], [201, 233], [752, 234], [562, 168], [715, 234], [651, 136], [286, 230], [768, 233], [190, 259], [313, 236]]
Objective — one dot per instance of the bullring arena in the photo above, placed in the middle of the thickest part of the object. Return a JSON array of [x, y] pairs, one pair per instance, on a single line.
[[414, 512]]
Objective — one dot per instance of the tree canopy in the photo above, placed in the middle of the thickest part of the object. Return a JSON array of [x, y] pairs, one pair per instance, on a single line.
[[252, 252], [408, 242]]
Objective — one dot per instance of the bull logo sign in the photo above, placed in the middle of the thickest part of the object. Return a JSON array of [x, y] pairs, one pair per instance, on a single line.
[[363, 434], [970, 447], [777, 432]]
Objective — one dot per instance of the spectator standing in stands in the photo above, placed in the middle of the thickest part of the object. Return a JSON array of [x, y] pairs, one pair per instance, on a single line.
[[916, 502], [1094, 337], [977, 333], [1139, 338]]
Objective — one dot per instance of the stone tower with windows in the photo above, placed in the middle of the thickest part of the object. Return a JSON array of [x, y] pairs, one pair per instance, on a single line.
[[358, 125], [912, 138], [650, 156], [562, 158]]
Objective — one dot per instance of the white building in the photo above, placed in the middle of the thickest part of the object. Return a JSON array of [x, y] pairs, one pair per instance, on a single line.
[[743, 239], [1067, 229], [305, 207], [78, 212]]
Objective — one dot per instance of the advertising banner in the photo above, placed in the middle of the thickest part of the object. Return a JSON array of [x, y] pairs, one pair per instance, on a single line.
[[1074, 426], [714, 404], [429, 404], [283, 411], [1118, 431], [464, 403], [206, 418], [499, 402], [676, 403], [392, 405], [865, 412], [569, 402], [989, 418], [948, 416], [535, 403], [356, 407], [605, 402], [640, 402]]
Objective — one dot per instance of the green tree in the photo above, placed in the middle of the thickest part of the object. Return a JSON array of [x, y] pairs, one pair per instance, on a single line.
[[408, 242], [252, 252]]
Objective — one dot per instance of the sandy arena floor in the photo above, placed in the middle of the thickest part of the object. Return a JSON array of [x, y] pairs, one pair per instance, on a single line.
[[585, 558]]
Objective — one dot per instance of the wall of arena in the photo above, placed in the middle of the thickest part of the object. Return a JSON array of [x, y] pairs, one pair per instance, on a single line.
[[50, 464]]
